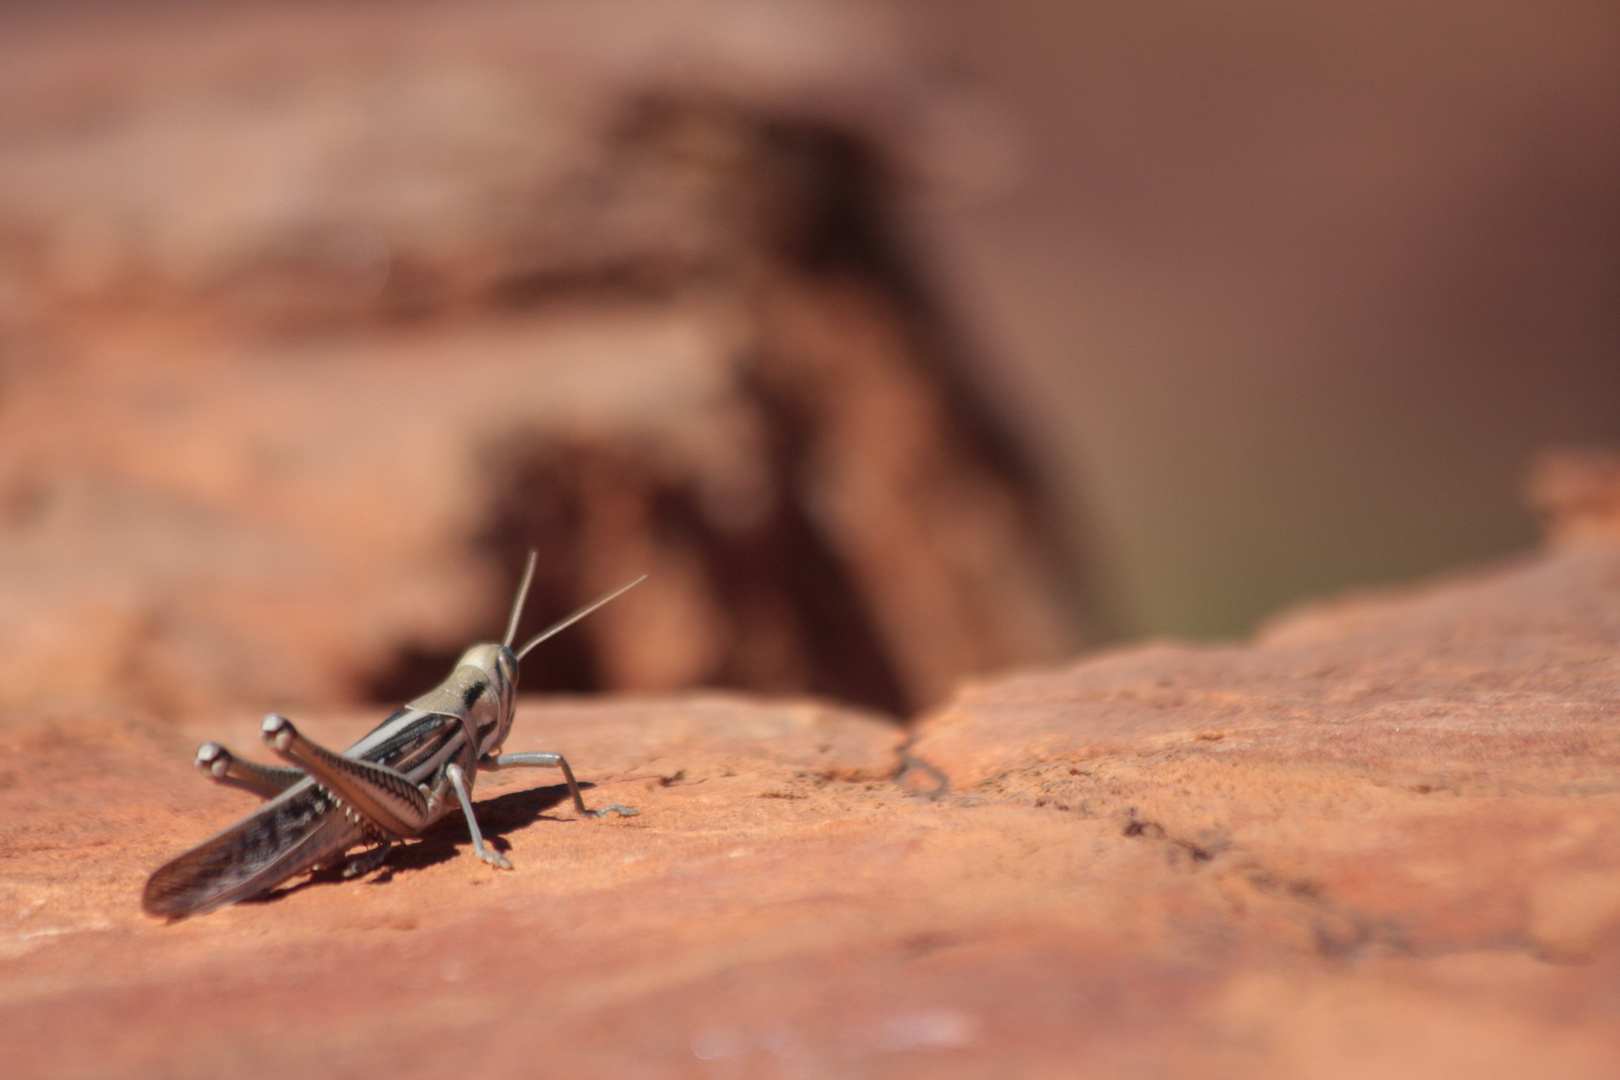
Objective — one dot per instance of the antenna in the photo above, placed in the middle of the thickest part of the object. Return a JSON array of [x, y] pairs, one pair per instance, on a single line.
[[522, 595], [575, 617]]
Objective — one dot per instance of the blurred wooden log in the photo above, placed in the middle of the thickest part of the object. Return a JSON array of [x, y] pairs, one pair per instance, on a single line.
[[320, 318]]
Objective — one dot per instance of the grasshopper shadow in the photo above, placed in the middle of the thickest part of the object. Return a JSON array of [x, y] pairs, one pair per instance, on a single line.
[[448, 838]]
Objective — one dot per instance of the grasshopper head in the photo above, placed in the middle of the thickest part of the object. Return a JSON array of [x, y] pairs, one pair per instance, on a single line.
[[491, 692], [499, 663]]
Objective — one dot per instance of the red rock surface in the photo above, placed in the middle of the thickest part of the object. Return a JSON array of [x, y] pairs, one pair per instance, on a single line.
[[1381, 840]]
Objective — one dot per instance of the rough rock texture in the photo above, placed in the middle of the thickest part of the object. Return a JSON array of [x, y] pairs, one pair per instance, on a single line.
[[1382, 840]]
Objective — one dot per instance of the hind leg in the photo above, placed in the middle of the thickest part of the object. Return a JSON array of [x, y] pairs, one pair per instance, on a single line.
[[223, 767], [385, 798]]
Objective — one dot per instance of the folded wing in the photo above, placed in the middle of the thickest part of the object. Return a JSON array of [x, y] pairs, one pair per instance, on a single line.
[[296, 831]]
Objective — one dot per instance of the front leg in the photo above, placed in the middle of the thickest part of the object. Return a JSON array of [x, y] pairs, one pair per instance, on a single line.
[[384, 797], [538, 760], [458, 780], [223, 767]]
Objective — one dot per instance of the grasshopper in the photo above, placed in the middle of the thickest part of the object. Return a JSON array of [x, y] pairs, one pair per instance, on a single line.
[[410, 771]]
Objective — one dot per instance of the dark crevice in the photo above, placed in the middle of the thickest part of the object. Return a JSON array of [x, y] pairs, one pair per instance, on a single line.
[[848, 657], [805, 195], [910, 763], [775, 571], [1152, 830], [554, 285], [849, 199], [778, 569], [1339, 933]]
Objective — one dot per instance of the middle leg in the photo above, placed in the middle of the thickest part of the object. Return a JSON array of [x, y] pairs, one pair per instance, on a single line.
[[539, 760], [366, 863]]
